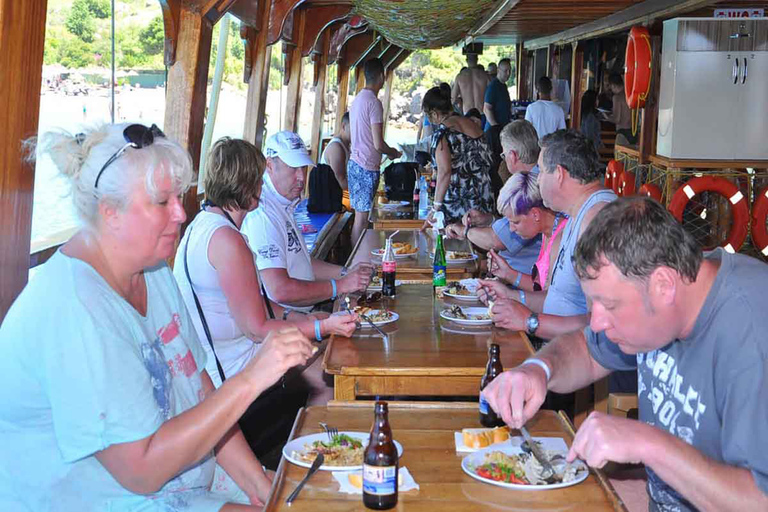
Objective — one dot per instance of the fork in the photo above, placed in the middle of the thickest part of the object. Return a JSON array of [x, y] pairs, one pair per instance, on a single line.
[[331, 431]]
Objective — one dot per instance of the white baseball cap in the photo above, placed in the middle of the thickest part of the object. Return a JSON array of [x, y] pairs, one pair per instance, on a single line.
[[288, 147]]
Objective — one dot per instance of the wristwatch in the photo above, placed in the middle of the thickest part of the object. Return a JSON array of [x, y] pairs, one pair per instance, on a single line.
[[344, 271], [532, 324]]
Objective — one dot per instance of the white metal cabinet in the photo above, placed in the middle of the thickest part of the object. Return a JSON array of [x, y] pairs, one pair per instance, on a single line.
[[751, 120]]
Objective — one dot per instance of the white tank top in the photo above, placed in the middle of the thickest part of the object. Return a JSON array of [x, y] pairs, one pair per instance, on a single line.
[[233, 348], [338, 140]]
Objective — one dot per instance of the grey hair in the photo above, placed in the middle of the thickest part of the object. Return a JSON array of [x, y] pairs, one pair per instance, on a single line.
[[572, 151], [80, 157], [519, 194], [521, 137]]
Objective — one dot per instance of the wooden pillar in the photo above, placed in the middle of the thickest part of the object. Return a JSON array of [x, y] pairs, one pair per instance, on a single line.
[[650, 114], [522, 87], [321, 64], [22, 36], [185, 94], [342, 74], [387, 99], [577, 67], [359, 78], [294, 69], [258, 79]]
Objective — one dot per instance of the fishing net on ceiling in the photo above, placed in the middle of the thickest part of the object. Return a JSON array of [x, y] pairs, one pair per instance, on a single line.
[[419, 24]]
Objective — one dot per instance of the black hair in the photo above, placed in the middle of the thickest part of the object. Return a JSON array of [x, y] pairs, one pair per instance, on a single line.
[[473, 112], [373, 69], [615, 79], [588, 102], [574, 152], [438, 99], [345, 118], [544, 85]]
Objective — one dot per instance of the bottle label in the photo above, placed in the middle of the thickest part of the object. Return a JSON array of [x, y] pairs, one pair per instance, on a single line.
[[438, 275], [379, 480], [388, 266], [484, 407]]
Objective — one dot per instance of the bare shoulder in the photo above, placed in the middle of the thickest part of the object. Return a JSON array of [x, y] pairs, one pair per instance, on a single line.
[[227, 244]]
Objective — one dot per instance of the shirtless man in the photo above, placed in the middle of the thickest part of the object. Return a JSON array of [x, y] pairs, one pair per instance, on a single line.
[[470, 86]]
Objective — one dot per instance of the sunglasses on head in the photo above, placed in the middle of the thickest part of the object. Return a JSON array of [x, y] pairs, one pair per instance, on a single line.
[[136, 136]]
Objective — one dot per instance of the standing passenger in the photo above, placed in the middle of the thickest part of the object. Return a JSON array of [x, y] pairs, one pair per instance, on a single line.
[[545, 115], [498, 112], [469, 85]]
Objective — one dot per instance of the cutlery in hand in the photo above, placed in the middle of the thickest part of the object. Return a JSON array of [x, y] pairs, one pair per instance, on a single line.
[[315, 466], [549, 471]]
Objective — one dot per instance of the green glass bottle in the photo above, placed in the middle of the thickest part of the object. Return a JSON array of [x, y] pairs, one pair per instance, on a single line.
[[438, 265]]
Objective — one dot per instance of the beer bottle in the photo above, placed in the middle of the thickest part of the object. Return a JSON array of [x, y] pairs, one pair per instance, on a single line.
[[388, 270], [489, 418], [438, 264], [380, 464]]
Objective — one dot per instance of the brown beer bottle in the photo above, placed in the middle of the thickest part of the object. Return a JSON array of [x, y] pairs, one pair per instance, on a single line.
[[380, 464], [488, 417]]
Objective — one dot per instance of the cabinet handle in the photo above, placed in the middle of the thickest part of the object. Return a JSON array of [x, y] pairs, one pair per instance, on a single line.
[[744, 76], [736, 70]]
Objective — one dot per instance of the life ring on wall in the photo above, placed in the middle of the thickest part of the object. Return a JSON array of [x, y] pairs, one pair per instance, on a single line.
[[627, 184], [759, 214], [637, 77], [725, 188], [615, 168], [650, 190]]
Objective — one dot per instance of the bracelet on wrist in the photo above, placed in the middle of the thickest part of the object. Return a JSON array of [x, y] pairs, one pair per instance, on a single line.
[[334, 289], [344, 271], [318, 334], [522, 297], [538, 362], [519, 278], [286, 312]]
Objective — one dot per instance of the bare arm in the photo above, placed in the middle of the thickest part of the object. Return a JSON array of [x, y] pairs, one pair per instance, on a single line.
[[335, 157], [455, 91], [443, 158], [377, 131], [295, 292], [485, 238], [488, 110], [324, 270], [512, 315]]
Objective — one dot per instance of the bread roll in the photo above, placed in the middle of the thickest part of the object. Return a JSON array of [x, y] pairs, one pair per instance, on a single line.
[[482, 437]]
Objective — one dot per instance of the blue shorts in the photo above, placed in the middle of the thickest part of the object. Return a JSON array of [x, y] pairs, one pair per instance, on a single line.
[[363, 184]]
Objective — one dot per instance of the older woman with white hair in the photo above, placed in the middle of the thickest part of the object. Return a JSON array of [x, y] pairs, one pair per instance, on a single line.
[[520, 202], [105, 403]]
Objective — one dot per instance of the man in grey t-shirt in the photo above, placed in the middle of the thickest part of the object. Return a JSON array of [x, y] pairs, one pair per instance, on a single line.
[[694, 327]]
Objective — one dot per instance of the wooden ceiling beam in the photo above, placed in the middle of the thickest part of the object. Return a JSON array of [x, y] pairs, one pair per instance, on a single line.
[[279, 13], [492, 17], [368, 53], [636, 14], [318, 20], [355, 47], [340, 39], [399, 59], [214, 10]]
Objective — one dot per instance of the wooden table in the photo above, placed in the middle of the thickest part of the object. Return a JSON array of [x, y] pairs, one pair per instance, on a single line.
[[402, 217], [425, 355], [419, 267], [426, 432]]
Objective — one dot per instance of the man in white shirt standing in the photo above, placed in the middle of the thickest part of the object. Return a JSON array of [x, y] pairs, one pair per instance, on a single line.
[[545, 115], [290, 275]]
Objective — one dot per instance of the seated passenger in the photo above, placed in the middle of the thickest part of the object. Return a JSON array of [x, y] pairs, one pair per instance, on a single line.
[[291, 276], [105, 403], [215, 258], [336, 153], [520, 150], [694, 326]]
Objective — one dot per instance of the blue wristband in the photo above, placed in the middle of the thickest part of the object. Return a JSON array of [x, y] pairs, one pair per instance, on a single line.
[[318, 336], [522, 297], [519, 278], [333, 285]]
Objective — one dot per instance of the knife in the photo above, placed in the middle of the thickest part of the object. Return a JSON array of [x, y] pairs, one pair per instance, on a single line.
[[549, 470], [315, 466]]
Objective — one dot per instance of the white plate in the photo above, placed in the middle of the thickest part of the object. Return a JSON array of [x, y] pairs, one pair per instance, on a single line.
[[377, 287], [469, 311], [380, 253], [450, 261], [471, 298], [393, 204], [477, 458], [298, 445], [392, 318]]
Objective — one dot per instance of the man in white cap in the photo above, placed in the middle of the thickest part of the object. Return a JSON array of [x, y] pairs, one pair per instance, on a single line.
[[291, 277]]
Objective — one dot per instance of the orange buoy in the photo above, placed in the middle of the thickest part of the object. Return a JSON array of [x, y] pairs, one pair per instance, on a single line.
[[615, 168], [726, 189], [608, 183], [759, 214], [627, 185], [637, 78], [650, 190]]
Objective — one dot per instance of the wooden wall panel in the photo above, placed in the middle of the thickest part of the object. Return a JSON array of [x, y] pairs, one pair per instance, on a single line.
[[22, 36], [317, 120], [343, 77], [258, 80], [294, 68]]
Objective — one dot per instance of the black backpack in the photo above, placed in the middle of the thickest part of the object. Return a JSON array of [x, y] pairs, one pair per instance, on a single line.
[[324, 191], [400, 180]]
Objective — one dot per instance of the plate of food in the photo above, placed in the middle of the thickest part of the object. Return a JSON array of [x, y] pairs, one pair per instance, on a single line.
[[344, 453], [467, 316], [393, 204], [466, 289], [459, 257], [377, 316], [376, 283], [401, 249], [511, 466]]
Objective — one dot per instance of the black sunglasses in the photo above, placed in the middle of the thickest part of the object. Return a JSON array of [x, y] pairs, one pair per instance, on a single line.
[[136, 136]]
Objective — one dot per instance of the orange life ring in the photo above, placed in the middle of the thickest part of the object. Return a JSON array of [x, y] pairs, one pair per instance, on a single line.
[[608, 183], [615, 168], [637, 77], [759, 214], [726, 189], [627, 184], [650, 190]]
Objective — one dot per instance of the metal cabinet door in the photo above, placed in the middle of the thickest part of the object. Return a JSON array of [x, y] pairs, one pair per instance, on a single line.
[[751, 121], [704, 106]]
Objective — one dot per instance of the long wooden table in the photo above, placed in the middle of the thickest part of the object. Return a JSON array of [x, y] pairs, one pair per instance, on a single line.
[[419, 267], [425, 356], [402, 217], [426, 432]]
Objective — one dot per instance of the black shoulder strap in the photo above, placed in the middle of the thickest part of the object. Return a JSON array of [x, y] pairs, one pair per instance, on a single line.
[[199, 308]]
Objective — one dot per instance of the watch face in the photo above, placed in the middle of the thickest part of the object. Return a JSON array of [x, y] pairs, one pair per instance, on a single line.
[[532, 323]]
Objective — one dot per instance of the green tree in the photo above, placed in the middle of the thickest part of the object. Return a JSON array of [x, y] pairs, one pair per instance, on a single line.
[[76, 53], [80, 21], [153, 36], [102, 9]]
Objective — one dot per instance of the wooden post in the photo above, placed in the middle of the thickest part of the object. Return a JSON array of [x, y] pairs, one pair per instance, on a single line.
[[22, 36], [577, 67], [186, 90], [387, 100], [343, 81], [317, 121], [295, 81], [359, 78], [258, 81]]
